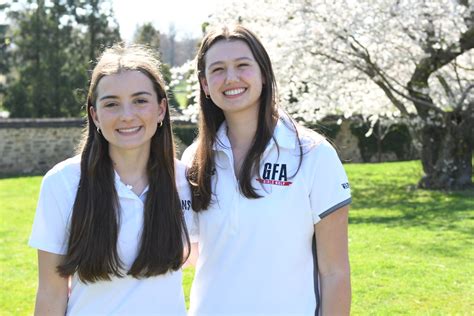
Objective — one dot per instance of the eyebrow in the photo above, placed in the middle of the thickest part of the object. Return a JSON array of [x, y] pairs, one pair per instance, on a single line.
[[237, 59], [116, 97]]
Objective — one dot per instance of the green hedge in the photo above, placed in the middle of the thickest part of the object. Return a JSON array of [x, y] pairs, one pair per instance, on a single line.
[[185, 132], [398, 140]]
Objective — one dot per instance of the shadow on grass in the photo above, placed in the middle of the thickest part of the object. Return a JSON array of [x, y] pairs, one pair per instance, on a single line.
[[399, 204], [17, 175]]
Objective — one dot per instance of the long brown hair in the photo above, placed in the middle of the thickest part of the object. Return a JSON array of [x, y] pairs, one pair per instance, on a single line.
[[92, 246], [211, 117]]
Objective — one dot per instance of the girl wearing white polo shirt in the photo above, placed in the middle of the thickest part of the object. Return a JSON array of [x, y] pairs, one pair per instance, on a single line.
[[110, 220], [271, 198]]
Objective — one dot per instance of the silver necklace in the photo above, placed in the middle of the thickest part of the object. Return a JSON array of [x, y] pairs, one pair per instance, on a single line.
[[130, 186]]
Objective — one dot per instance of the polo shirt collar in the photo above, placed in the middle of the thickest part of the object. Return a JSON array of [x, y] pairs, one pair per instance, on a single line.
[[124, 192], [284, 134], [222, 142]]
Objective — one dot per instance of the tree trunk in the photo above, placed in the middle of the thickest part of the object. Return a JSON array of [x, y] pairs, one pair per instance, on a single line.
[[446, 136], [446, 153]]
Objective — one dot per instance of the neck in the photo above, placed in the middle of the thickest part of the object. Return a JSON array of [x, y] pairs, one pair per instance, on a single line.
[[131, 166], [241, 130]]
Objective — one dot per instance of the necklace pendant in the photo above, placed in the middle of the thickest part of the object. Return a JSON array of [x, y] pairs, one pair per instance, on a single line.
[[130, 187]]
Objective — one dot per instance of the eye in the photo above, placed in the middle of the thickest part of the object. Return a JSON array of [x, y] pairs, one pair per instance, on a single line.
[[217, 69], [110, 104], [141, 101], [242, 65]]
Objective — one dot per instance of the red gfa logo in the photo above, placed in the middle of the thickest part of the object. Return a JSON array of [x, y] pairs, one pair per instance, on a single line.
[[274, 174]]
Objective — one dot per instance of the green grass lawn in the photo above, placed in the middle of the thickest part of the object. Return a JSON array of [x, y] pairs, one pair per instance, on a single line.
[[412, 251]]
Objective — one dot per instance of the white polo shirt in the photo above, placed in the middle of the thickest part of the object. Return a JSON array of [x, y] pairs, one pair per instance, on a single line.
[[255, 255], [161, 295]]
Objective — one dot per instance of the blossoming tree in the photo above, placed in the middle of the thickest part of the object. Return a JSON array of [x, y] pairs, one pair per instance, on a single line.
[[409, 60]]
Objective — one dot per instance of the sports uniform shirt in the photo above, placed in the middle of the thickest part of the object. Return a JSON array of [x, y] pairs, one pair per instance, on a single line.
[[162, 295], [255, 255]]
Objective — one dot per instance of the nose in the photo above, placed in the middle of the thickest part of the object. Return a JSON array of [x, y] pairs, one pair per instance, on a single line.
[[128, 111], [232, 75]]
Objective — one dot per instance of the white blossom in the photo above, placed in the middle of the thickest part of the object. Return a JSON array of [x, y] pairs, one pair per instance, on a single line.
[[315, 47]]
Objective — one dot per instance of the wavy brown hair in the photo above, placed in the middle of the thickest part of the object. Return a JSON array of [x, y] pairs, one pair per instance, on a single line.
[[92, 245], [211, 117]]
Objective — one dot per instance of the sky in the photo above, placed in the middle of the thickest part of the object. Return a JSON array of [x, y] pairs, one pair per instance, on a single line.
[[186, 15]]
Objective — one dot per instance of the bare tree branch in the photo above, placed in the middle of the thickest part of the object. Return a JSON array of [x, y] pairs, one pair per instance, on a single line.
[[447, 89], [431, 64], [464, 95], [441, 57], [373, 71], [456, 72]]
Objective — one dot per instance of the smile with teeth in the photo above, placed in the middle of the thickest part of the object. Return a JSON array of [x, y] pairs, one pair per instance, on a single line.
[[234, 91], [128, 130]]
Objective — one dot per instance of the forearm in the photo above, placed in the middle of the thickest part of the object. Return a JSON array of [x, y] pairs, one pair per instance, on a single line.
[[333, 261], [51, 302], [336, 293], [52, 295]]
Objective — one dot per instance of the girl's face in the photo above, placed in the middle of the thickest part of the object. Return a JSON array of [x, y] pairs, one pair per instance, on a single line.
[[127, 110], [232, 77]]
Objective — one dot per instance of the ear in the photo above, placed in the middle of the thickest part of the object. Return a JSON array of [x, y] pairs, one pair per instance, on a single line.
[[204, 85], [95, 118], [162, 106]]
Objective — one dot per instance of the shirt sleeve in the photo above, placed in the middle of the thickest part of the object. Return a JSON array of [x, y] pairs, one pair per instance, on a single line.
[[192, 222], [50, 228], [330, 188], [188, 154], [190, 217]]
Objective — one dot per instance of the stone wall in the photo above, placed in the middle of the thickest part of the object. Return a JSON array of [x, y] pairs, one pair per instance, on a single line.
[[33, 146], [347, 145]]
